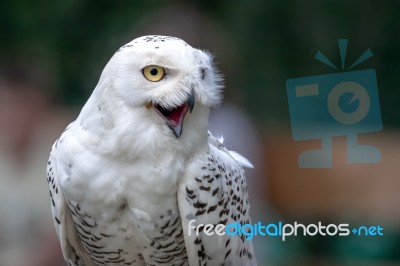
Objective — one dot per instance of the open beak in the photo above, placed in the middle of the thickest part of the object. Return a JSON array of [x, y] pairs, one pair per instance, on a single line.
[[174, 117]]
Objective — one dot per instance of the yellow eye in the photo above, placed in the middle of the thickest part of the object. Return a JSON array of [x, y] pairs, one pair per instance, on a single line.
[[153, 73]]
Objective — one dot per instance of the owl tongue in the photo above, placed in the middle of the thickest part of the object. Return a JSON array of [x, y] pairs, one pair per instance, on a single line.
[[174, 117]]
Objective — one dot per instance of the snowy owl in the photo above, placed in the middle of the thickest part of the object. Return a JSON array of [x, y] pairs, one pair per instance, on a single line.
[[137, 179]]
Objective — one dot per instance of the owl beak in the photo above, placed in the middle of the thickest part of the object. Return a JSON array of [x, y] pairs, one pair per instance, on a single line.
[[190, 101], [175, 116]]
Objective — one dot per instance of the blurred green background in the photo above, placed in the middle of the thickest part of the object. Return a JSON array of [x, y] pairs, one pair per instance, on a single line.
[[60, 48], [268, 42]]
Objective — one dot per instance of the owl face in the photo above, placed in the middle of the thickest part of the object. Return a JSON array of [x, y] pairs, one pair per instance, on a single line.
[[166, 76]]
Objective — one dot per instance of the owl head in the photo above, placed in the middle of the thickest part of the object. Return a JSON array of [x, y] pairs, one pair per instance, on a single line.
[[159, 87]]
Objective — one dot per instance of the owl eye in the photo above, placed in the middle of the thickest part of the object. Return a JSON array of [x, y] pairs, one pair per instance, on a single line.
[[153, 73]]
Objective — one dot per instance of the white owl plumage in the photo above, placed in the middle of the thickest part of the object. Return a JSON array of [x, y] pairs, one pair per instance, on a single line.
[[138, 164]]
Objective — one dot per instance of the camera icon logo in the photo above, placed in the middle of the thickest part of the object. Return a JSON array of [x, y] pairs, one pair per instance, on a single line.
[[338, 104]]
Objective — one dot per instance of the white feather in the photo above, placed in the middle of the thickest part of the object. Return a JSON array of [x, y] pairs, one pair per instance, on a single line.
[[118, 167]]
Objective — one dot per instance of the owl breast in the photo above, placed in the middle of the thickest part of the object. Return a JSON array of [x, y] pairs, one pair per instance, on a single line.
[[127, 212]]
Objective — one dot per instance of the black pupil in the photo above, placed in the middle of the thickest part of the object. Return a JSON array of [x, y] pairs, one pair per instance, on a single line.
[[154, 71]]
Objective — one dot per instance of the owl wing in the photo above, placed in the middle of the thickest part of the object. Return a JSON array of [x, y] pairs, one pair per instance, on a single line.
[[65, 227], [214, 191]]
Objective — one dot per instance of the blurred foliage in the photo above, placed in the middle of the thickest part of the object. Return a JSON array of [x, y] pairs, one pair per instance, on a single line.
[[72, 35], [275, 40], [280, 39]]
